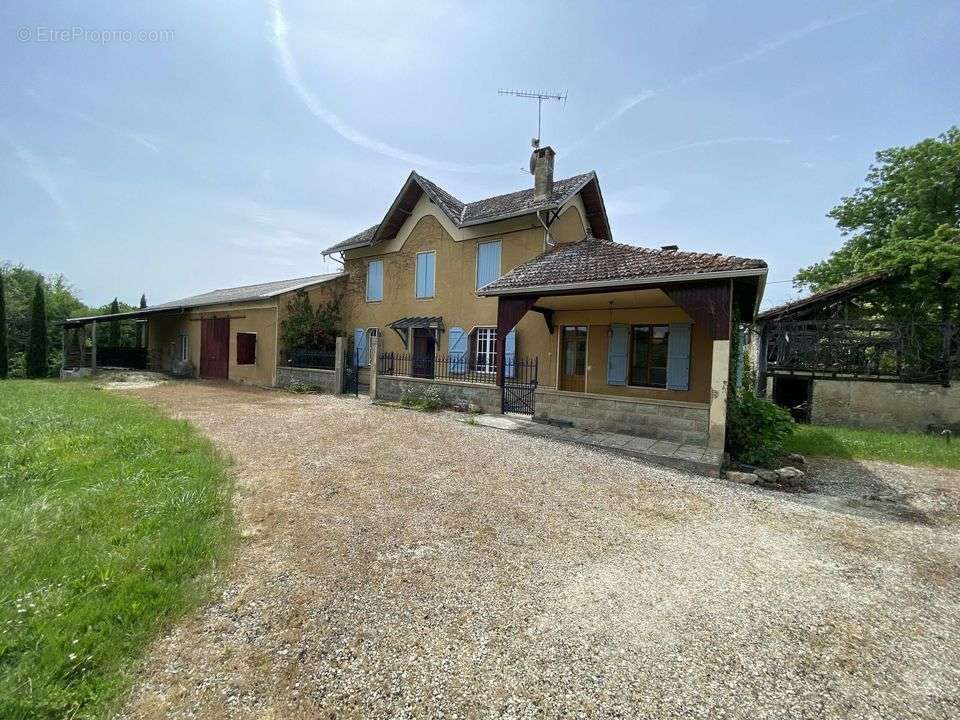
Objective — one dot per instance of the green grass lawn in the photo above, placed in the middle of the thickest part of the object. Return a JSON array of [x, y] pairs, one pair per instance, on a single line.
[[904, 448], [112, 518]]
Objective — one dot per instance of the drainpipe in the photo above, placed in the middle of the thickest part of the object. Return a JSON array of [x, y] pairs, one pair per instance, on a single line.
[[547, 238]]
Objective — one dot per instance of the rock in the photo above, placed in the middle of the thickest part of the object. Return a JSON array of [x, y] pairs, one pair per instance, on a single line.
[[742, 477], [460, 405], [796, 459], [474, 408], [767, 475], [788, 472]]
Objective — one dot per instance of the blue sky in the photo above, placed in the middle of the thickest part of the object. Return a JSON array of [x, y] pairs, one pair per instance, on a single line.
[[236, 148]]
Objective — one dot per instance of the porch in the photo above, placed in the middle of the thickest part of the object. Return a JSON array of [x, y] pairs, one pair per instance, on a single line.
[[126, 346]]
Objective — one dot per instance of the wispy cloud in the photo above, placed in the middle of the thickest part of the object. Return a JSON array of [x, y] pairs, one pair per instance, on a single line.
[[36, 169], [750, 139], [627, 104], [291, 72], [132, 136]]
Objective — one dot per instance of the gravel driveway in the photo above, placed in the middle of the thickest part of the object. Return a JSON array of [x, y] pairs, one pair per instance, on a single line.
[[399, 564]]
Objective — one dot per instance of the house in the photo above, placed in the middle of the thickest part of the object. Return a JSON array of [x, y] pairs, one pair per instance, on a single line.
[[228, 334], [832, 358], [520, 302], [528, 292]]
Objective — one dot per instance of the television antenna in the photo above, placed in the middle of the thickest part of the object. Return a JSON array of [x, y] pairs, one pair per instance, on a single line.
[[539, 96]]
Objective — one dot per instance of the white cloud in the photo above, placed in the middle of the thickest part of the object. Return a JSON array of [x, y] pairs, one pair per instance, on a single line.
[[625, 106], [293, 77], [36, 169], [758, 139]]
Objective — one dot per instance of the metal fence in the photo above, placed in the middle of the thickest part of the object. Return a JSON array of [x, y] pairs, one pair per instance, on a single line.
[[890, 351], [453, 367], [305, 358]]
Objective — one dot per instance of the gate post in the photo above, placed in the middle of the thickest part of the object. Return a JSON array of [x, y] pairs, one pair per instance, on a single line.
[[338, 366], [373, 355]]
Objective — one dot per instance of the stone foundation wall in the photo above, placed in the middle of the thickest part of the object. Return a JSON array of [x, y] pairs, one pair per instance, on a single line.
[[892, 406], [391, 388], [326, 380], [680, 422]]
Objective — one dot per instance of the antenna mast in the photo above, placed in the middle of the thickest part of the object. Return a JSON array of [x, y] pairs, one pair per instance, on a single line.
[[539, 96]]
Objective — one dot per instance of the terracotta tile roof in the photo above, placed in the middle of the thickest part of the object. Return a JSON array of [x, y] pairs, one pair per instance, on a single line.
[[597, 261], [463, 214]]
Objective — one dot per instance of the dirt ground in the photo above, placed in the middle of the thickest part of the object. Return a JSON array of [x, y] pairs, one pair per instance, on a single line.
[[399, 564]]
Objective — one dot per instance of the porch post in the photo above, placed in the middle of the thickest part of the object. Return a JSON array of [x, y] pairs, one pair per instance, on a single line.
[[510, 310], [93, 348], [719, 387], [338, 366], [373, 354]]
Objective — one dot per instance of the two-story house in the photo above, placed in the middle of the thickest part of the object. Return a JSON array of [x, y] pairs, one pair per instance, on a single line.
[[625, 338]]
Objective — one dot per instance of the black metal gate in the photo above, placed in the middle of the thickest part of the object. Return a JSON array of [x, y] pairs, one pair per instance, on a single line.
[[519, 387], [351, 371]]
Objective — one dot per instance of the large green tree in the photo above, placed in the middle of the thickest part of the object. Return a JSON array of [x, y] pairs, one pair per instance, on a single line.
[[906, 219], [37, 349], [4, 353]]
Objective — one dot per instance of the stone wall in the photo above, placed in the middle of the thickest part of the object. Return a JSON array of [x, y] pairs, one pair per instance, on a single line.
[[680, 422], [894, 406], [488, 397], [325, 380]]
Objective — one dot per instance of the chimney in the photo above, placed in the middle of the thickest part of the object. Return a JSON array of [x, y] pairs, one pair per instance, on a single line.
[[542, 162], [669, 248]]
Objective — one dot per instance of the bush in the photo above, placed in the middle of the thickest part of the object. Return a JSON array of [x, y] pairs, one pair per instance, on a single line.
[[757, 429], [427, 400]]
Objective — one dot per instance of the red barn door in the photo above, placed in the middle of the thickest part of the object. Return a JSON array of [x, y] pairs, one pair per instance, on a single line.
[[214, 348]]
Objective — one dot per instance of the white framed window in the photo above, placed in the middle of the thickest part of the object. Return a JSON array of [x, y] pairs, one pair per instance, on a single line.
[[426, 273], [183, 349], [488, 262], [375, 281], [485, 349]]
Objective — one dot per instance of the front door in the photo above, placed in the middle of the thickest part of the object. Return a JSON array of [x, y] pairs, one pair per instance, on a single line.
[[573, 354], [214, 348], [424, 352]]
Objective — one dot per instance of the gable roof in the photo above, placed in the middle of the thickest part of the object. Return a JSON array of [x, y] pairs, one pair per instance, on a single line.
[[244, 293], [824, 296], [499, 207], [593, 262]]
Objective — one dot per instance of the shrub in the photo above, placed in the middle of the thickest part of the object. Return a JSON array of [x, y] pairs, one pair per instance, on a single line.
[[757, 429], [427, 400]]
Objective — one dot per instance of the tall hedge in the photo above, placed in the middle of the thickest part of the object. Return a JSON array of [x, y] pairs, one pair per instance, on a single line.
[[37, 350], [4, 352]]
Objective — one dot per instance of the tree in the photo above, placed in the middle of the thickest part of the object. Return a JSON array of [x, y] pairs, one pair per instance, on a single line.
[[910, 204], [143, 301], [141, 327], [305, 327], [113, 334], [37, 349], [4, 367]]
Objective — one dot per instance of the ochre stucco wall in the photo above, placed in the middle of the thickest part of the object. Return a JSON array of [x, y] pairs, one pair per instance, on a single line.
[[164, 332], [894, 406]]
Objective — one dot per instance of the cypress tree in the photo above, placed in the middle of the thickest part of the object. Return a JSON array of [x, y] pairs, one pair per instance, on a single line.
[[141, 327], [4, 366], [114, 335], [37, 351]]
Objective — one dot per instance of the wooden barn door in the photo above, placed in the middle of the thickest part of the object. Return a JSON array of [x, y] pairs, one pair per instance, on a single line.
[[214, 348]]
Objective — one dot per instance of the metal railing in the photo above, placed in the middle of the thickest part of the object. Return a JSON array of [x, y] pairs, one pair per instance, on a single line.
[[457, 368], [308, 358]]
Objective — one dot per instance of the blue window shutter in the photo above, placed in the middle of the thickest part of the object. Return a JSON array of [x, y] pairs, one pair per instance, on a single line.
[[678, 357], [431, 273], [509, 354], [421, 280], [617, 355], [375, 280], [457, 350], [488, 263], [360, 345]]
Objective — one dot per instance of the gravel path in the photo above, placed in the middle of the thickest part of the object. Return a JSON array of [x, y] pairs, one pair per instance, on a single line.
[[399, 564]]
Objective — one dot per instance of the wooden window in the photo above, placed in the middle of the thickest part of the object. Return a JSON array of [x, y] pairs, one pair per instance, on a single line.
[[184, 348], [246, 348], [426, 274], [485, 349], [488, 262], [375, 281], [648, 355]]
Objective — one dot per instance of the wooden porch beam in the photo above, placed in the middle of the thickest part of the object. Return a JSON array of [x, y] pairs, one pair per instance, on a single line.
[[547, 316], [510, 310]]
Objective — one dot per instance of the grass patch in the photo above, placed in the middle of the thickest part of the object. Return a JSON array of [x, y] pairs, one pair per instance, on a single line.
[[112, 517], [897, 447]]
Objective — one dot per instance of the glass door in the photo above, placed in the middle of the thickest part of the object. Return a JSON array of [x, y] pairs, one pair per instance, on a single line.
[[573, 356]]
